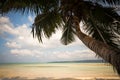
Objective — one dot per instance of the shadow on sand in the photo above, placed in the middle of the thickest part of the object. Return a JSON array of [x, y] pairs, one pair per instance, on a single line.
[[43, 78]]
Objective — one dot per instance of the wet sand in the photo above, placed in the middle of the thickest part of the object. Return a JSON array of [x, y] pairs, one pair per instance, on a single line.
[[19, 78], [58, 71]]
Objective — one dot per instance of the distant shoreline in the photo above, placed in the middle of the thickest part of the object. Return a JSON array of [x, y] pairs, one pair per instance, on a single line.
[[81, 61]]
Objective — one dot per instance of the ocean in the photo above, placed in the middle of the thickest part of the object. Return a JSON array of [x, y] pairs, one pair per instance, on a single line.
[[58, 71]]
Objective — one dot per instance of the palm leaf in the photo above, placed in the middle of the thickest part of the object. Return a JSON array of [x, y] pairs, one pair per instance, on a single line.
[[46, 24], [99, 25], [68, 32], [102, 15], [33, 6], [110, 2]]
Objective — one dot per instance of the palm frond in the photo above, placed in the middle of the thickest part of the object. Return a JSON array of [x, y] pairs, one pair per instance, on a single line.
[[100, 15], [116, 27], [68, 32], [101, 34], [33, 6], [111, 2], [100, 24], [46, 24]]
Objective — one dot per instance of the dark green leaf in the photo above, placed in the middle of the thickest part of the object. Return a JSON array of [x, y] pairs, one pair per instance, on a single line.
[[68, 33], [46, 24]]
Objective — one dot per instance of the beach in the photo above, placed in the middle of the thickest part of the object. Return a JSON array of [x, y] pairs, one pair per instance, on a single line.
[[58, 71]]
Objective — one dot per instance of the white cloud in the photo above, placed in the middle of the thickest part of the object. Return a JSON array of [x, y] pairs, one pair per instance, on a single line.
[[13, 45], [21, 52], [23, 44], [30, 18], [74, 55], [6, 26], [4, 20], [25, 52], [24, 36]]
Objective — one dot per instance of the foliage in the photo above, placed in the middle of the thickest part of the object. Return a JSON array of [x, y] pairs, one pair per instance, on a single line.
[[100, 18], [101, 22]]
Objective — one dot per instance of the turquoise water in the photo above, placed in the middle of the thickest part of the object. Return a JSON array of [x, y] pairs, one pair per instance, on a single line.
[[58, 71]]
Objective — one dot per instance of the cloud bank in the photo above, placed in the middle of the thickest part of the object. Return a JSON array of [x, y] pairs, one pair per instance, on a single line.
[[21, 43]]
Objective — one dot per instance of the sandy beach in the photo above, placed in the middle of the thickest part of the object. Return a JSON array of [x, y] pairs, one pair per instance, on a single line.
[[58, 71], [18, 78]]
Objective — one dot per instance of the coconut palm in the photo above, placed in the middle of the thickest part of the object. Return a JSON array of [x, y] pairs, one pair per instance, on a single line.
[[99, 17]]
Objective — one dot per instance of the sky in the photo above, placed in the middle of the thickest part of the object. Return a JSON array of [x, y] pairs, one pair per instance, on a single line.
[[17, 44]]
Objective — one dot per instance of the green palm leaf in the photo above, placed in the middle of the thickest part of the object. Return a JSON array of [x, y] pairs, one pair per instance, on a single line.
[[68, 32], [33, 6], [100, 24], [46, 24], [97, 32], [112, 2]]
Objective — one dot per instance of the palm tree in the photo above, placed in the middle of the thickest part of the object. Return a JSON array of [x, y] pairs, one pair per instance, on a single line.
[[99, 17]]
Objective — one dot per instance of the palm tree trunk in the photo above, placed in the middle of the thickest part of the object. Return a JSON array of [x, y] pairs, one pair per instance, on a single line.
[[108, 53]]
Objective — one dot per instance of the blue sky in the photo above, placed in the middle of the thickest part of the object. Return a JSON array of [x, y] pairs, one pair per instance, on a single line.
[[18, 45]]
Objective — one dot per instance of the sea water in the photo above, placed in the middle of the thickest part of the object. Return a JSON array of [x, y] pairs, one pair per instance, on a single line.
[[53, 71]]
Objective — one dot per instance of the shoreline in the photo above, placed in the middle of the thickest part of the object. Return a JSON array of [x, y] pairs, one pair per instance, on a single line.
[[50, 78], [58, 71]]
